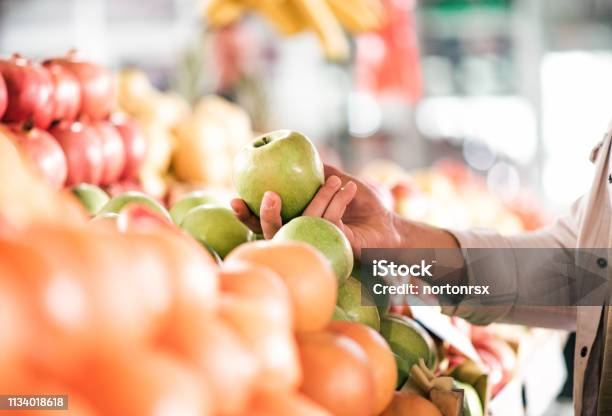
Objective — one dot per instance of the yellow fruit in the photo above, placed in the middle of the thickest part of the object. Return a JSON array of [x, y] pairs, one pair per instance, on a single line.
[[200, 155], [224, 12]]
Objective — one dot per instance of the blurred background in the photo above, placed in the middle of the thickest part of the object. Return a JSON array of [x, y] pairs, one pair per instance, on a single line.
[[515, 90], [461, 112]]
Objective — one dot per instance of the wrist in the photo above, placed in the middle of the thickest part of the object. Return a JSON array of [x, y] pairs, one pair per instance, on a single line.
[[412, 234]]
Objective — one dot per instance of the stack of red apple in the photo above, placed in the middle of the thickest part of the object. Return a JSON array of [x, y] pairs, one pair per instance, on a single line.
[[58, 113]]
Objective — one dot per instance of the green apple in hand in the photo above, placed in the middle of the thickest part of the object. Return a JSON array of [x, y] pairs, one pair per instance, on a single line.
[[190, 201], [283, 161], [92, 197], [217, 228], [357, 304], [325, 237], [117, 203]]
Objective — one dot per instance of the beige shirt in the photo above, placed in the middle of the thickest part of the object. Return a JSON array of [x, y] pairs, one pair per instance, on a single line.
[[587, 226]]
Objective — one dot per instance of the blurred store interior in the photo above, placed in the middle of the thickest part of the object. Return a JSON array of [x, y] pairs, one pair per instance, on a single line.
[[517, 90]]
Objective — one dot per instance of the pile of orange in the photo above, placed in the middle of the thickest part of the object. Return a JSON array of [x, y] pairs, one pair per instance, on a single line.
[[145, 322]]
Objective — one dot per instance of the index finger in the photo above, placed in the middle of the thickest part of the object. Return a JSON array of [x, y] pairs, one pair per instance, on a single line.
[[245, 215]]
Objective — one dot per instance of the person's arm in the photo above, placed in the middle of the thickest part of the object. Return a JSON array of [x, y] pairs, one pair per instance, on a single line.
[[521, 275], [358, 211]]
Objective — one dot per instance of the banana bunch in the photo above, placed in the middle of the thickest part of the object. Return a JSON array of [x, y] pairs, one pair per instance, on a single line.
[[325, 17]]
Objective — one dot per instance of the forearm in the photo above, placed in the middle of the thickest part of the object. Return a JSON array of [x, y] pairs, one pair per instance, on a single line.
[[449, 262], [418, 235]]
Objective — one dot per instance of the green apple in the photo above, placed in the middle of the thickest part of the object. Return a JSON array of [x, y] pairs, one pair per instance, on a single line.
[[409, 342], [470, 373], [325, 237], [358, 305], [189, 201], [109, 217], [217, 228], [472, 405], [92, 197], [339, 314], [283, 161], [117, 203]]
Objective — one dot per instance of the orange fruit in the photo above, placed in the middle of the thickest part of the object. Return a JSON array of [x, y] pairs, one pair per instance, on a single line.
[[88, 289], [405, 403], [144, 382], [76, 295], [273, 345], [308, 275], [190, 269], [380, 356], [13, 322], [337, 373], [221, 357], [294, 404], [259, 284]]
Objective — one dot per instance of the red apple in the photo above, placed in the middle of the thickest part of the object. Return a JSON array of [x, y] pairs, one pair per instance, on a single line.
[[30, 89], [113, 151], [43, 152], [134, 142], [3, 97], [83, 149], [97, 85], [66, 94]]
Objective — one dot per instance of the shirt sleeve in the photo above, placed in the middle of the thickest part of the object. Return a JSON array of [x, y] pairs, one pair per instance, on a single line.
[[509, 276]]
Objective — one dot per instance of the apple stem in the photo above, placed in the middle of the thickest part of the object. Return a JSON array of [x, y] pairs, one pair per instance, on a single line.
[[28, 125], [264, 141]]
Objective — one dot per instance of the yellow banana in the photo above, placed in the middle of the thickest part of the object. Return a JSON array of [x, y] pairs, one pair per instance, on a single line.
[[321, 18], [224, 12], [357, 15], [282, 14]]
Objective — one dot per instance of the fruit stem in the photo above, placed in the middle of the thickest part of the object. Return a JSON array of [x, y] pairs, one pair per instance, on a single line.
[[262, 142], [28, 125]]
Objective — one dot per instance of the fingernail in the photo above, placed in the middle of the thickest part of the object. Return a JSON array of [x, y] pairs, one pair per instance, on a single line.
[[269, 200], [334, 181], [349, 186]]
